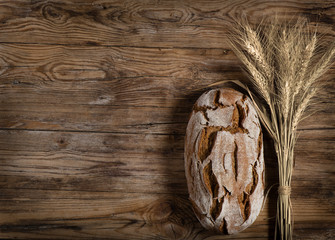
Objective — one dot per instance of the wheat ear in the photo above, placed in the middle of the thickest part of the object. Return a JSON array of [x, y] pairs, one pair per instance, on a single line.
[[301, 108], [321, 67]]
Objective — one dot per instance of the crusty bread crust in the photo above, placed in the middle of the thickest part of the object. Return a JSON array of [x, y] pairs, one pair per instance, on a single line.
[[224, 162]]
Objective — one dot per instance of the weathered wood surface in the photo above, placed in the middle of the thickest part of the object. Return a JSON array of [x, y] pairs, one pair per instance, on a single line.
[[95, 97]]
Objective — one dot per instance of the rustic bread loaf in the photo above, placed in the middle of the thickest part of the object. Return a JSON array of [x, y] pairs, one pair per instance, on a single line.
[[224, 162]]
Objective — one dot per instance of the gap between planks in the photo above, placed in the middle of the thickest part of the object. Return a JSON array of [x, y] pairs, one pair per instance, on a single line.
[[111, 46], [130, 133]]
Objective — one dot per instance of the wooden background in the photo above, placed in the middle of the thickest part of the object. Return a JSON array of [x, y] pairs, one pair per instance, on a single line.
[[94, 101]]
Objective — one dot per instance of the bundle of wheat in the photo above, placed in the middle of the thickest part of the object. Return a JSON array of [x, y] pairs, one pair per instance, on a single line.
[[284, 62]]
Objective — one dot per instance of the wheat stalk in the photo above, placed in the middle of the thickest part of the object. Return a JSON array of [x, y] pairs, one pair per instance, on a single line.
[[284, 66]]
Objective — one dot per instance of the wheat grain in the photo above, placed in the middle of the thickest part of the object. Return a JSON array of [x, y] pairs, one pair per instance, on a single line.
[[285, 97], [305, 60], [301, 109]]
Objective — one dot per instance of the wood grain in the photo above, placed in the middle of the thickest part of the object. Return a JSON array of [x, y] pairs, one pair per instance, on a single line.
[[151, 90], [66, 171], [147, 23], [95, 97]]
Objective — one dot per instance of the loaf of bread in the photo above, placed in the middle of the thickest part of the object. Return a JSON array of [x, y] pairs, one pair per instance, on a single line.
[[224, 162]]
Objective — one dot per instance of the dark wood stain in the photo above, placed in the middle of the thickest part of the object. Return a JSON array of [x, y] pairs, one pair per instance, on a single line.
[[95, 97]]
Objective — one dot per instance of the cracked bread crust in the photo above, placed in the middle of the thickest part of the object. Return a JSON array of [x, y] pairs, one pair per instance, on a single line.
[[224, 162]]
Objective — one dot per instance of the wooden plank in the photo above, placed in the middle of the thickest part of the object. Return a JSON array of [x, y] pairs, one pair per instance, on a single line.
[[93, 63], [143, 23], [94, 108], [69, 185], [116, 89]]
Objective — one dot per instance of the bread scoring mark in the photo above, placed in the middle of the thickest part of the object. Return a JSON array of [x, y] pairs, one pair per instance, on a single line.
[[212, 186], [246, 110], [212, 129], [217, 97], [256, 124], [195, 142], [223, 227], [263, 177], [238, 117], [244, 198], [234, 162], [210, 180], [204, 113], [197, 108], [227, 193], [235, 117], [241, 114], [203, 110], [223, 165], [253, 184], [207, 141], [216, 101], [259, 144], [216, 208], [244, 202]]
